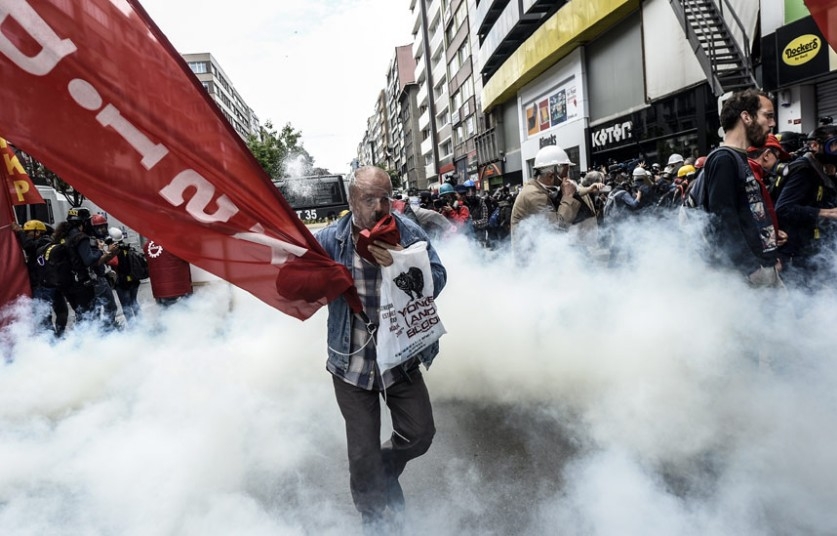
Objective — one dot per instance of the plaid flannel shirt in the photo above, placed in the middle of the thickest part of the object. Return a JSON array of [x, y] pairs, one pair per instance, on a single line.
[[363, 367]]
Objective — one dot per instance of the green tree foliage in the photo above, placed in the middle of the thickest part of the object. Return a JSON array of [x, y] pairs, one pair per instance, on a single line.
[[275, 150], [393, 176]]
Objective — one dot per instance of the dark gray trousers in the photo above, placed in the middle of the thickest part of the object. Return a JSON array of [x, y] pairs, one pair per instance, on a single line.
[[374, 468]]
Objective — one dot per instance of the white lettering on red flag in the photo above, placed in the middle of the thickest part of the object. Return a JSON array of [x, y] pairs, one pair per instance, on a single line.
[[106, 103]]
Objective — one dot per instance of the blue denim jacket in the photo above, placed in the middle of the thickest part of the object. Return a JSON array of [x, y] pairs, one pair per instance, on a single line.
[[336, 239]]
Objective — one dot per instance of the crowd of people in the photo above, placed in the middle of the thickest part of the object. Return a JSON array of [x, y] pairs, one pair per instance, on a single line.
[[770, 203], [772, 199], [84, 266], [769, 212]]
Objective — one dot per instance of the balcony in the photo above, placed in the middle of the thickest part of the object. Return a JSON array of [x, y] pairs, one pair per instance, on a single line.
[[444, 133], [487, 147], [436, 41], [440, 73], [418, 45], [421, 70], [433, 12], [496, 37], [442, 102], [421, 96], [430, 173], [487, 13], [510, 30], [427, 146], [424, 120]]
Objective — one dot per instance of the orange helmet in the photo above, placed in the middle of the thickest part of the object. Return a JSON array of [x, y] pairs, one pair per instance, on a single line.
[[699, 163], [97, 220]]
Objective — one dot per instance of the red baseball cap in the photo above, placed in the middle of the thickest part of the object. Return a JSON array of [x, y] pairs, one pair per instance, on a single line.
[[772, 142]]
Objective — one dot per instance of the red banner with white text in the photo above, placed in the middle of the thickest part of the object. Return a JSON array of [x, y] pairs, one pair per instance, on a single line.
[[101, 97], [15, 277], [21, 189], [825, 15]]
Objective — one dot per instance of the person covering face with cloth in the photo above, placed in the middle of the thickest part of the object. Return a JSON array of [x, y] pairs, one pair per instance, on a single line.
[[358, 384]]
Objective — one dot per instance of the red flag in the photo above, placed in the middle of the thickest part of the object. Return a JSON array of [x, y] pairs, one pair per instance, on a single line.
[[15, 282], [101, 98], [825, 15], [21, 189]]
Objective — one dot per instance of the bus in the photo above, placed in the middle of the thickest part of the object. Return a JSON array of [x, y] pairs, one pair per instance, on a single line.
[[315, 198]]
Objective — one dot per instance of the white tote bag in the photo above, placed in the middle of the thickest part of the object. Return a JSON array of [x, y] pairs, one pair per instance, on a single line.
[[408, 321]]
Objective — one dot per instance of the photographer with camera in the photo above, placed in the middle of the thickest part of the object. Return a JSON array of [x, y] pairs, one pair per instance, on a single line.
[[626, 195], [550, 193], [553, 195], [453, 207]]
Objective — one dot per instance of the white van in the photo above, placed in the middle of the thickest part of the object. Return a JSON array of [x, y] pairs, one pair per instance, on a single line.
[[54, 211]]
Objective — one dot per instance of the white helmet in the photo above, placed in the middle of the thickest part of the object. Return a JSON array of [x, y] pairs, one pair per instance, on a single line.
[[639, 173], [115, 233], [551, 155], [674, 159]]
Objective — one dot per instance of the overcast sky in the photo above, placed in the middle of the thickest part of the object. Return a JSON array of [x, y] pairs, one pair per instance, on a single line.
[[317, 64]]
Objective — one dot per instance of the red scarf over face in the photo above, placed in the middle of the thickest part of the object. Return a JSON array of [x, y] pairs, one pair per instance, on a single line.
[[385, 230]]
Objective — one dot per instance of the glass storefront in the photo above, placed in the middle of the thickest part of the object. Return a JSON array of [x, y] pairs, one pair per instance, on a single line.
[[686, 123]]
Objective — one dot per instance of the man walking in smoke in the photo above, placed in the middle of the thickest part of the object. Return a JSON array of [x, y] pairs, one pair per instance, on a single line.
[[741, 226], [352, 357]]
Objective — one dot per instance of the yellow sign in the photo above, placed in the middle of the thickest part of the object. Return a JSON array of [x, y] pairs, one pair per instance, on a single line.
[[801, 50]]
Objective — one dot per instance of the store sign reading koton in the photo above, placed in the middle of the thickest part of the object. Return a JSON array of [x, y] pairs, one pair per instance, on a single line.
[[617, 133]]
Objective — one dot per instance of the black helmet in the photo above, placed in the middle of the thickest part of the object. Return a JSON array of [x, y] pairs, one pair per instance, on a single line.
[[78, 215], [791, 141]]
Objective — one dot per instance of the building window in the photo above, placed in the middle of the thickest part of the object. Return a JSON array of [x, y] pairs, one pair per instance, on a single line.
[[198, 67]]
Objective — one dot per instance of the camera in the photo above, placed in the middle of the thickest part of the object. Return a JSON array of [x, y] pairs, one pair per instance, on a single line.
[[623, 167]]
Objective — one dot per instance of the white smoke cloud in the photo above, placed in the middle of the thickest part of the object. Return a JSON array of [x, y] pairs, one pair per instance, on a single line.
[[657, 397]]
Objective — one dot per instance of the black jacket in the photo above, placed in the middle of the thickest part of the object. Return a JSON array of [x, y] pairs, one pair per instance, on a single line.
[[803, 193], [740, 226]]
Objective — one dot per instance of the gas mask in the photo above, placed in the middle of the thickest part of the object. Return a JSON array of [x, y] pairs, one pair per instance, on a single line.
[[828, 155]]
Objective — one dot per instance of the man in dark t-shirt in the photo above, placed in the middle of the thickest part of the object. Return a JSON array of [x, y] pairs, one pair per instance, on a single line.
[[741, 228]]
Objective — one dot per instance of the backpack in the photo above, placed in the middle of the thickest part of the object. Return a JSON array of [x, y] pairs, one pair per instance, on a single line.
[[774, 187], [57, 267], [505, 214], [494, 219], [612, 209], [137, 266], [696, 192]]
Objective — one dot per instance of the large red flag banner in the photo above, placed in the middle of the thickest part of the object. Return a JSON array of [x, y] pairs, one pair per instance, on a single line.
[[15, 277], [22, 191], [825, 15], [96, 92]]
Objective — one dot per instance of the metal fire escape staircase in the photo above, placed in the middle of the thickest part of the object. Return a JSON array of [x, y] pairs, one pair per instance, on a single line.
[[727, 67]]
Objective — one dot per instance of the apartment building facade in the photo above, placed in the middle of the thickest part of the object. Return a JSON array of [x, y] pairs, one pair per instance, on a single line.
[[607, 80], [220, 88], [403, 115]]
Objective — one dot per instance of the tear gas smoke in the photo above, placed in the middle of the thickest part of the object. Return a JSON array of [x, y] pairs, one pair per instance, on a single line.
[[660, 397]]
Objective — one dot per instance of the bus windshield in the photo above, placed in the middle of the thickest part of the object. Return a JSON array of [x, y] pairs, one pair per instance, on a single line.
[[316, 198]]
